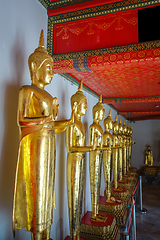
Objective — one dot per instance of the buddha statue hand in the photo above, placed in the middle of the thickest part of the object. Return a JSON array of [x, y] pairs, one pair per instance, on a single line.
[[94, 147], [55, 109], [120, 142]]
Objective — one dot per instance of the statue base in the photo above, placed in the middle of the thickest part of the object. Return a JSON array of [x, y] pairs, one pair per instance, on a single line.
[[126, 184], [133, 172], [133, 169], [99, 230], [115, 208], [150, 171], [131, 178], [68, 238], [123, 194]]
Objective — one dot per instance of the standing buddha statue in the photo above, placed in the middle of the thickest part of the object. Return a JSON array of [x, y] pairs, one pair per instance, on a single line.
[[148, 157], [115, 153], [120, 192], [130, 151], [120, 138], [129, 174], [95, 158], [128, 147], [107, 139], [34, 196], [124, 130], [75, 141]]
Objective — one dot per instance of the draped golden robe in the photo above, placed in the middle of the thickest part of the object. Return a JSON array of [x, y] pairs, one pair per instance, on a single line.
[[35, 175]]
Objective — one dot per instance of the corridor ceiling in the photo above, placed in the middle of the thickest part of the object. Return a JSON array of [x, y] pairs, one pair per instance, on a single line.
[[113, 46]]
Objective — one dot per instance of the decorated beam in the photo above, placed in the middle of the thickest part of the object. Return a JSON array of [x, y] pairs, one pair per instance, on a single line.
[[132, 100], [142, 118], [95, 7], [140, 113]]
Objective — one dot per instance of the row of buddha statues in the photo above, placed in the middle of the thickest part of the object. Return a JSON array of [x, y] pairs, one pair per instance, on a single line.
[[34, 196]]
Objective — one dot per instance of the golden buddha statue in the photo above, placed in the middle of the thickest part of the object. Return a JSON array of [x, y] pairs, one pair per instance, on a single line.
[[148, 157], [115, 152], [127, 147], [95, 158], [120, 138], [34, 196], [130, 146], [131, 142], [124, 150], [107, 139], [75, 140]]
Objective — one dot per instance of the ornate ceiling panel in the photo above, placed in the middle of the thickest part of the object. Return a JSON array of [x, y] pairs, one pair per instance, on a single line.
[[98, 42]]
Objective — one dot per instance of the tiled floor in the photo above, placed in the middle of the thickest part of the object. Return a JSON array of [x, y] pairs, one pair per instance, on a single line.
[[148, 225]]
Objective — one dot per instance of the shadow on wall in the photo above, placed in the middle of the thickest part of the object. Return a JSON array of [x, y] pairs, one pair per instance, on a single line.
[[155, 147], [11, 137], [158, 151], [85, 193], [62, 181]]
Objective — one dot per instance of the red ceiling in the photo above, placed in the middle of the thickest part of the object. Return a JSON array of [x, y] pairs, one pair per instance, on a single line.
[[122, 78], [104, 52]]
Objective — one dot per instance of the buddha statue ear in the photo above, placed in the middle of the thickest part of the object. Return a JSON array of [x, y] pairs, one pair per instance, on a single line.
[[75, 106], [95, 115], [33, 72]]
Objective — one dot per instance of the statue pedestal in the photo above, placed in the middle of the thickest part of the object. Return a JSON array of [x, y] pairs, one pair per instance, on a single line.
[[123, 194], [68, 238], [151, 171], [116, 209], [126, 184], [99, 230], [133, 171], [151, 174], [131, 177]]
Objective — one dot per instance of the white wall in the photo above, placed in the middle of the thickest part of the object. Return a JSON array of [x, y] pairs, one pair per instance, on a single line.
[[20, 24], [146, 133]]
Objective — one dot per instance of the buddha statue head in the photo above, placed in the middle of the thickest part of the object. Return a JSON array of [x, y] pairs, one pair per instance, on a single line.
[[115, 125], [98, 110], [120, 128], [124, 130], [108, 122], [40, 65], [128, 130], [79, 101], [131, 131]]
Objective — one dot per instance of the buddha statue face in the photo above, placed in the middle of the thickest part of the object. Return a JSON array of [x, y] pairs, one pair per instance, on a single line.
[[79, 101], [82, 106], [115, 125], [124, 128], [44, 73], [108, 122], [99, 110], [128, 131], [99, 114], [120, 128], [131, 131]]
